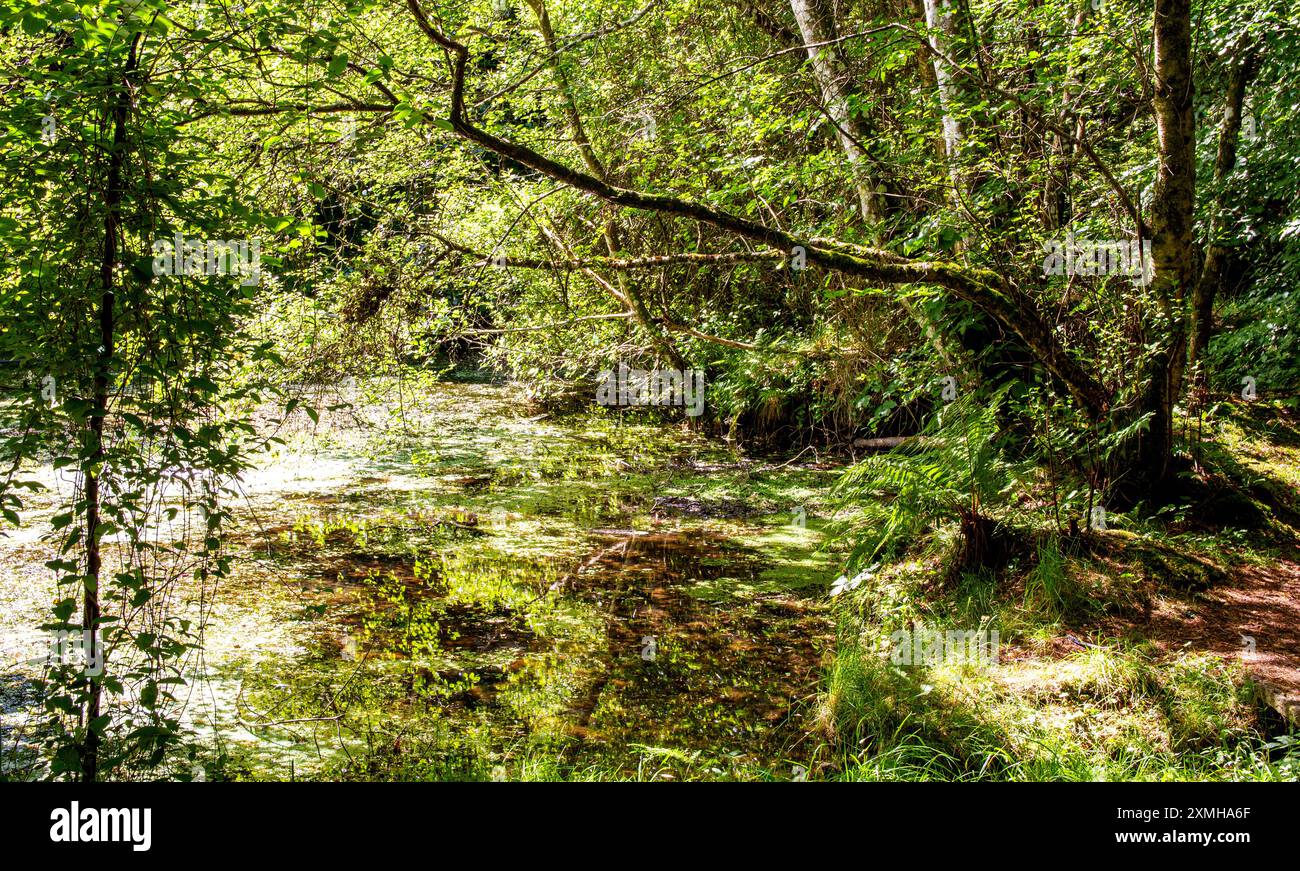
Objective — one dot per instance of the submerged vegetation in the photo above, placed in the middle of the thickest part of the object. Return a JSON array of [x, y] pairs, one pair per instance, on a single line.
[[678, 390]]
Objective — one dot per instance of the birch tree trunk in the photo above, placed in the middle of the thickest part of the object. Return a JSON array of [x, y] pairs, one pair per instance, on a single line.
[[1172, 244], [941, 21], [819, 32]]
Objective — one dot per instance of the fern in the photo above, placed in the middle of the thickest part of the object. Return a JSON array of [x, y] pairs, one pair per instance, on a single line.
[[954, 471]]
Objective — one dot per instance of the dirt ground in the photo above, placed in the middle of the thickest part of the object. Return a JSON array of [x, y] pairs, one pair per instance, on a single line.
[[1255, 618]]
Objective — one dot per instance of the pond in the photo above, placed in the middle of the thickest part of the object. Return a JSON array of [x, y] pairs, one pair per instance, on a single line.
[[436, 581]]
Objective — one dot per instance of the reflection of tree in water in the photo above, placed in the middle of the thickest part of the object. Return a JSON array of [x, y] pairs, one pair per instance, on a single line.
[[719, 679]]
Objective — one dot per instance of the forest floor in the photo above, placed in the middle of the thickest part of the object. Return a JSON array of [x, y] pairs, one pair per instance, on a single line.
[[1254, 613], [1254, 617], [1248, 610], [1148, 650]]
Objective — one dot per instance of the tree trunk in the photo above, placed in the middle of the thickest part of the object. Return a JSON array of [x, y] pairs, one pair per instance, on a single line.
[[1211, 278], [818, 28], [1172, 247], [631, 296], [942, 21], [90, 622]]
